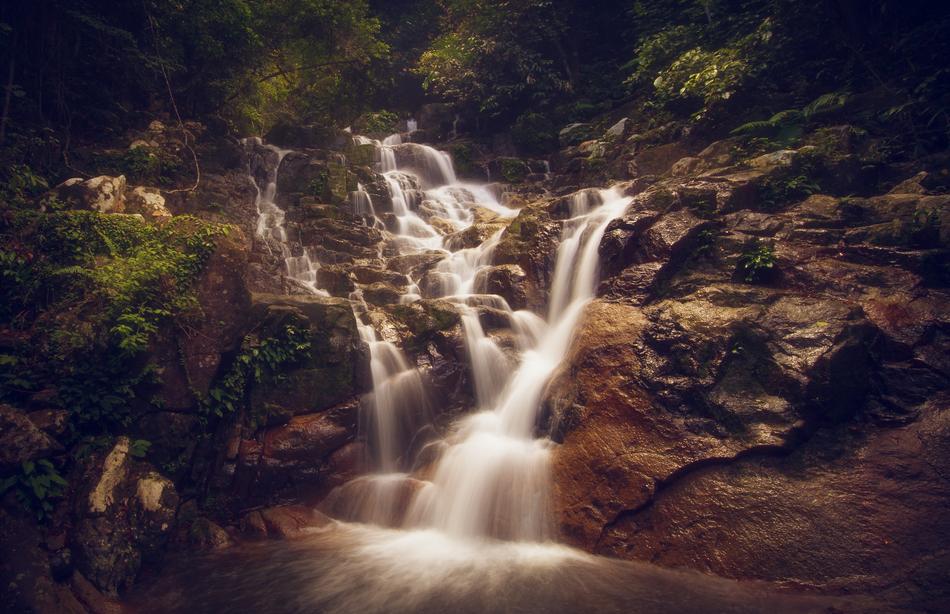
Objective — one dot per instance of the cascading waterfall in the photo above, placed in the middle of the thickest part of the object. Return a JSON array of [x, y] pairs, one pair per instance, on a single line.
[[472, 528], [299, 267], [492, 477]]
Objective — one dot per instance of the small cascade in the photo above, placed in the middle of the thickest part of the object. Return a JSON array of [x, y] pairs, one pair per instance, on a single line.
[[299, 266], [399, 401]]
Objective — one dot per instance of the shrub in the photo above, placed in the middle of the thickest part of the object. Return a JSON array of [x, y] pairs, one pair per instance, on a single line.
[[757, 262], [36, 485]]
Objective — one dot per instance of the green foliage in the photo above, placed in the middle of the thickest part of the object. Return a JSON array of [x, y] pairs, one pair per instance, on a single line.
[[260, 360], [36, 485], [534, 133], [20, 184], [786, 127], [138, 448], [141, 165], [788, 186], [378, 122], [91, 294], [757, 262]]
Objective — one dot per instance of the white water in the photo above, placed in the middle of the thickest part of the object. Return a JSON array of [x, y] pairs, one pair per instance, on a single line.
[[491, 478], [299, 266]]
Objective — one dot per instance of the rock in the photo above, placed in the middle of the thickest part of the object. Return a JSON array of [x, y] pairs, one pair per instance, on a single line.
[[123, 518], [574, 134], [782, 157], [619, 130], [689, 380], [21, 440], [657, 160], [206, 535], [194, 361], [26, 578], [415, 265], [381, 500], [336, 280], [307, 437], [103, 194], [53, 422], [505, 280], [846, 512], [290, 521], [149, 203], [328, 375], [381, 293], [473, 236]]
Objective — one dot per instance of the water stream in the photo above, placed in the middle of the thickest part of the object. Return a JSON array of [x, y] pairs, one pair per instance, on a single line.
[[470, 528]]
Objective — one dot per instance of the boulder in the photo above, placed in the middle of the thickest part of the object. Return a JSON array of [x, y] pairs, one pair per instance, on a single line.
[[574, 134], [189, 359], [149, 203], [104, 194], [647, 394], [123, 517]]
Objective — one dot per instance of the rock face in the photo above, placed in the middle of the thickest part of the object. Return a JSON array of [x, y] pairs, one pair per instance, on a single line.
[[793, 430], [309, 413]]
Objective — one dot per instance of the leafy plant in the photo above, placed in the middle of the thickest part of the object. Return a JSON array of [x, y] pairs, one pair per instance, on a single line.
[[259, 361], [36, 485], [757, 262]]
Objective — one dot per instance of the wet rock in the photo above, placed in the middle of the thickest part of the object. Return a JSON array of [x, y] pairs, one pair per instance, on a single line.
[[370, 275], [686, 381], [848, 511], [381, 293], [415, 265], [290, 521], [530, 241], [327, 376], [507, 281], [473, 236], [306, 437], [206, 535], [335, 279]]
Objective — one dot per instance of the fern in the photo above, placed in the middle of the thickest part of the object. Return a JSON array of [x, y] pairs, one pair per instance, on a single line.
[[826, 103]]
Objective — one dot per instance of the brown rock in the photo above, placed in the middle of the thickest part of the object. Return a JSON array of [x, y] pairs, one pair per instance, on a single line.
[[21, 440]]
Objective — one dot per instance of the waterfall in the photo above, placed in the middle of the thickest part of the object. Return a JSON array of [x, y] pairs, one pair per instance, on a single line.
[[299, 267], [491, 477]]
